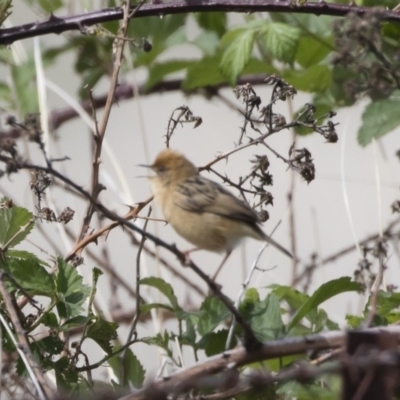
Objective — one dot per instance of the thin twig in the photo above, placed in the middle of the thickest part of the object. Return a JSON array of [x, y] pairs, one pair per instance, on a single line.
[[43, 387]]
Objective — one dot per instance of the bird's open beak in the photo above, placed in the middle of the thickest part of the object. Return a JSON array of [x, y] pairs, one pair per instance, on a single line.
[[145, 166]]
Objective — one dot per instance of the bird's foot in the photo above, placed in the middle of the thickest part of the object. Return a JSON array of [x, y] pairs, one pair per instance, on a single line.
[[187, 261]]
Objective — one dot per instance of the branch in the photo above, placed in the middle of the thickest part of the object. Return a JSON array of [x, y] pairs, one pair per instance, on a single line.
[[81, 21], [231, 360], [98, 136]]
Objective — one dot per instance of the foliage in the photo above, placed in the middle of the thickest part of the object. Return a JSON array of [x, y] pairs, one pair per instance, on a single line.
[[335, 62]]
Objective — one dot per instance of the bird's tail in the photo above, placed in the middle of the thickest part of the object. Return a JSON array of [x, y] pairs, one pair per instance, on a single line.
[[272, 242]]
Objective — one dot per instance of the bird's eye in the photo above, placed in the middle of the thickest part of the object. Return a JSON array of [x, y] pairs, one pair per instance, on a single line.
[[161, 168]]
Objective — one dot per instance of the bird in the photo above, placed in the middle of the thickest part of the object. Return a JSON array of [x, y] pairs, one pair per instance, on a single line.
[[200, 210]]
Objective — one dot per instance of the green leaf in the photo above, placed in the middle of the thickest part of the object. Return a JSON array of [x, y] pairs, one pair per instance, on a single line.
[[293, 297], [66, 377], [188, 337], [30, 275], [5, 93], [51, 5], [158, 72], [206, 72], [387, 302], [212, 21], [49, 320], [312, 50], [354, 321], [51, 345], [158, 340], [156, 28], [103, 332], [237, 55], [75, 322], [208, 42], [213, 342], [266, 319], [71, 290], [281, 40], [165, 288], [323, 293], [23, 76], [317, 78], [306, 23], [26, 255], [255, 66], [134, 370], [379, 118], [213, 313], [15, 225]]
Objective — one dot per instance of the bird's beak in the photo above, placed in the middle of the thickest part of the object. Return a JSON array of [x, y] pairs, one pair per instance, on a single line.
[[145, 165]]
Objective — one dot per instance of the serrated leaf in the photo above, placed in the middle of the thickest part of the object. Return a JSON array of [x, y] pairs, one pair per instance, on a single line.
[[379, 118], [30, 275], [15, 225], [237, 55], [103, 332], [323, 293], [72, 291], [312, 50], [213, 313], [26, 255], [134, 370], [281, 40], [317, 78], [165, 288]]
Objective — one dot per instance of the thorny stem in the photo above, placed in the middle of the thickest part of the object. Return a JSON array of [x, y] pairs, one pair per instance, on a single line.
[[132, 331], [79, 22], [96, 187]]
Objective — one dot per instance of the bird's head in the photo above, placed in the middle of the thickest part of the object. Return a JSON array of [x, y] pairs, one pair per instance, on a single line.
[[172, 167]]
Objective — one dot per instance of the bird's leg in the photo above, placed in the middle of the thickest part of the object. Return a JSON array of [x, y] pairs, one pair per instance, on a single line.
[[186, 253], [228, 253]]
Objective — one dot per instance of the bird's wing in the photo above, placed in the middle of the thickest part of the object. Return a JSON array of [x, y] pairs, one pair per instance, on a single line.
[[199, 194]]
